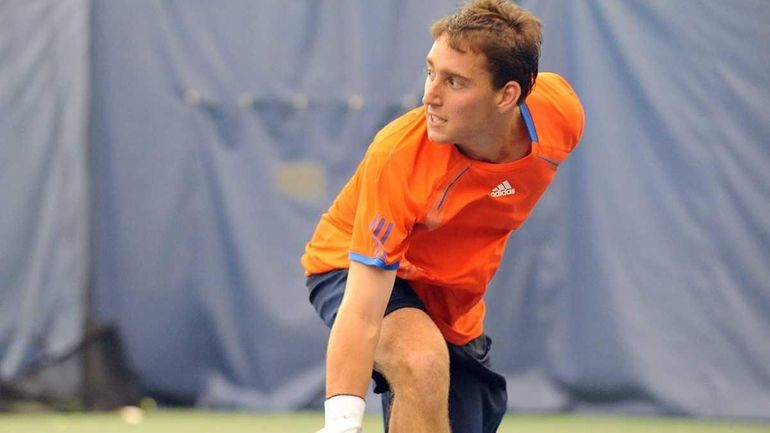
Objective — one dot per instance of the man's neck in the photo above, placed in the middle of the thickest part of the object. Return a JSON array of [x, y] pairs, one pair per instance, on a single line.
[[511, 143]]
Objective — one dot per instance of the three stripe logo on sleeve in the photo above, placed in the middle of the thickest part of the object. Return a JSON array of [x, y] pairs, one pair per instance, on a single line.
[[503, 189]]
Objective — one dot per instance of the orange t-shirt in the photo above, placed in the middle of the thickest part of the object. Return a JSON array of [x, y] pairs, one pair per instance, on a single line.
[[439, 218]]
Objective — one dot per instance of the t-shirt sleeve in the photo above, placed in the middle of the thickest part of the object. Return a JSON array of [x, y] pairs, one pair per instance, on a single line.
[[563, 114], [384, 216], [570, 111]]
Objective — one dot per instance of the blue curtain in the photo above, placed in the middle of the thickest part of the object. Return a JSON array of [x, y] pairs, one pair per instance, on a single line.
[[220, 132], [45, 214]]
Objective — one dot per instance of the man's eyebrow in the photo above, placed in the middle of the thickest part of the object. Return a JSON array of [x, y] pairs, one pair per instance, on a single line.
[[449, 72]]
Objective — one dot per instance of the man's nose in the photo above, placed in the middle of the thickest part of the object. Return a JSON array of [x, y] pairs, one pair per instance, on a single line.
[[431, 95]]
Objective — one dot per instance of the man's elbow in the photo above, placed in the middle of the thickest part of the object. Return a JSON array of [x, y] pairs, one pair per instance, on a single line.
[[362, 321]]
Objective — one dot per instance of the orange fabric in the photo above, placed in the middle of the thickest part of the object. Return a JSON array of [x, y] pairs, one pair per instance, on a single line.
[[441, 218]]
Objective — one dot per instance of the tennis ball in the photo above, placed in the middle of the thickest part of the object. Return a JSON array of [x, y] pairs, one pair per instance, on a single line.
[[131, 414]]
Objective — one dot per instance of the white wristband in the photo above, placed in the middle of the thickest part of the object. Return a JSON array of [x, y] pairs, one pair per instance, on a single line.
[[342, 412]]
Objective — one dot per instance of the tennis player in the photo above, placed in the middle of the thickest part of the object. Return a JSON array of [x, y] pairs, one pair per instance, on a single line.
[[399, 264]]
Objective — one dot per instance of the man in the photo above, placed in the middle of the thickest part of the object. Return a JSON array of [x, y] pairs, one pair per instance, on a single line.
[[399, 264]]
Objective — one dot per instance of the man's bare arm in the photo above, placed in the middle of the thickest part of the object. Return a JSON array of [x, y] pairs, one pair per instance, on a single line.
[[356, 330]]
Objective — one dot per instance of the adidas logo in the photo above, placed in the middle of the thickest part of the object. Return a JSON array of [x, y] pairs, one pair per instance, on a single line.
[[503, 189]]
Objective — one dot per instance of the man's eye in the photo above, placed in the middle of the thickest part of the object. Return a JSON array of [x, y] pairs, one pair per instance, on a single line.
[[429, 73], [454, 83]]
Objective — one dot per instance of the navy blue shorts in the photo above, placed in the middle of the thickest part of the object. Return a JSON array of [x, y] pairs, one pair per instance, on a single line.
[[477, 394]]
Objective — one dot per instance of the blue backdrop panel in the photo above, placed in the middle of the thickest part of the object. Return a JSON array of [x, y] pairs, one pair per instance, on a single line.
[[641, 282], [220, 132], [44, 205]]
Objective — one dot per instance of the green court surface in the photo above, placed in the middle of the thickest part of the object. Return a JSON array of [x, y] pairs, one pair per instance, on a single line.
[[189, 421]]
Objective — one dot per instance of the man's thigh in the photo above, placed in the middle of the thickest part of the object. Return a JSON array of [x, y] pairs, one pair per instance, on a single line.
[[408, 335], [411, 366], [477, 394]]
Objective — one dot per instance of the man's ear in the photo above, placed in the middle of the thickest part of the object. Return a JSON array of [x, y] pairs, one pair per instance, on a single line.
[[509, 95]]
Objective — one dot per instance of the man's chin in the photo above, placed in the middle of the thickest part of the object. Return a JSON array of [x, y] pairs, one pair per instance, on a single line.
[[438, 138]]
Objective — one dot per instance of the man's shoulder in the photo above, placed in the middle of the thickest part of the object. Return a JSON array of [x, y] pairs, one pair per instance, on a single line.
[[403, 150], [557, 107], [409, 128], [403, 136], [555, 91], [554, 83]]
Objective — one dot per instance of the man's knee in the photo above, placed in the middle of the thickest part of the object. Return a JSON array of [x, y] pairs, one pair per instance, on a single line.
[[414, 358], [425, 369]]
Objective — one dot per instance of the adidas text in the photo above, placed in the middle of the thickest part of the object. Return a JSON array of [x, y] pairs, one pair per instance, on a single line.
[[502, 193]]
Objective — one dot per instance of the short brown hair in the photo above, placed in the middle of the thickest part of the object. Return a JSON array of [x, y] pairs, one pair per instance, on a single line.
[[509, 37]]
